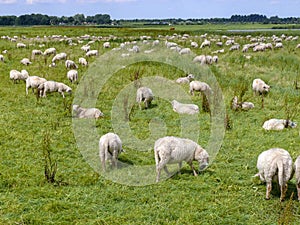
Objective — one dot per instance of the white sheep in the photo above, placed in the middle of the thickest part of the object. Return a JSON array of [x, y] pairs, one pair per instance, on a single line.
[[185, 80], [144, 94], [59, 56], [194, 44], [234, 47], [36, 52], [241, 105], [205, 43], [200, 87], [82, 61], [278, 124], [70, 64], [34, 82], [275, 165], [21, 45], [260, 87], [169, 150], [298, 46], [297, 175], [106, 45], [184, 108], [215, 59], [110, 146], [53, 86], [50, 51], [15, 75], [200, 58], [25, 61], [184, 51], [92, 53], [1, 58], [278, 45], [81, 112], [72, 75], [86, 48], [261, 47]]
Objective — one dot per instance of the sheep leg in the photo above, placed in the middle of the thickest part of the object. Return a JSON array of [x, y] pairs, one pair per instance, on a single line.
[[158, 173], [269, 189], [166, 170], [283, 189], [298, 191], [192, 167], [179, 167]]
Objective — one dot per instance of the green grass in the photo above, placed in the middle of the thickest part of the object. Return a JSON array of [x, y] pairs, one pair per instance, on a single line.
[[225, 193]]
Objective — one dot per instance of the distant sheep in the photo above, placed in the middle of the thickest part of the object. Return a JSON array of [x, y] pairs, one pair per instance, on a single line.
[[21, 45], [298, 46], [110, 146], [92, 53], [15, 75], [278, 45], [278, 124], [50, 51], [205, 43], [184, 51], [89, 113], [145, 95], [70, 64], [275, 165], [1, 58], [234, 47], [185, 80], [169, 150], [184, 108], [82, 61], [194, 44], [53, 86], [36, 52], [200, 87], [72, 75], [260, 87], [106, 45], [25, 61], [59, 57], [297, 174], [34, 82], [85, 48]]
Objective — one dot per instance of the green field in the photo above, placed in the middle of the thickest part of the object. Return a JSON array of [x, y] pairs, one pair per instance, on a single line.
[[225, 193]]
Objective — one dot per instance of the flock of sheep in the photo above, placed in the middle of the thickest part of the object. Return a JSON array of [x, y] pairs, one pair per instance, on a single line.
[[272, 164]]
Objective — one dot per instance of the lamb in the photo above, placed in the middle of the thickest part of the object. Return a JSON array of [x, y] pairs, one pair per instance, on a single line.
[[169, 150], [184, 108], [50, 51], [241, 105], [81, 112], [92, 53], [53, 86], [260, 87], [70, 64], [275, 164], [72, 75], [15, 75], [25, 61], [297, 174], [278, 124], [110, 146], [34, 82], [185, 80], [199, 86], [82, 61], [144, 94]]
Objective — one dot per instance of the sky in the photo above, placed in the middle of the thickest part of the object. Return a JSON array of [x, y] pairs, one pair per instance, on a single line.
[[153, 9]]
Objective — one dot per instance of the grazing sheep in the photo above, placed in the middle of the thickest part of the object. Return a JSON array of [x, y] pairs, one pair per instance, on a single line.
[[25, 61], [34, 82], [72, 75], [50, 51], [1, 58], [218, 51], [82, 61], [92, 53], [205, 43], [298, 46], [81, 112], [70, 64], [86, 48], [201, 59], [184, 51], [169, 150], [199, 86], [278, 45], [145, 95], [234, 47], [106, 45], [194, 44], [260, 48], [278, 124], [260, 87], [185, 80], [21, 45], [275, 165], [36, 52], [184, 108], [59, 56], [297, 174], [219, 43], [110, 146], [53, 86], [215, 59], [15, 75]]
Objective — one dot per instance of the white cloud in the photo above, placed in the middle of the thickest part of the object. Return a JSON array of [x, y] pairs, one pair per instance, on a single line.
[[105, 1], [7, 1], [274, 2], [30, 2]]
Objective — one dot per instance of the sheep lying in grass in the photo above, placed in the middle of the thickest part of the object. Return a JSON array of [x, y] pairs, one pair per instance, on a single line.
[[260, 87], [34, 82], [81, 112], [72, 75], [275, 165], [53, 86], [241, 105], [15, 75], [297, 174], [185, 80], [184, 108], [169, 150], [200, 87], [145, 95], [278, 124], [110, 146]]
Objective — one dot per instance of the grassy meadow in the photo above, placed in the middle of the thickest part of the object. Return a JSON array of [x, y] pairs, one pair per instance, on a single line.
[[225, 193]]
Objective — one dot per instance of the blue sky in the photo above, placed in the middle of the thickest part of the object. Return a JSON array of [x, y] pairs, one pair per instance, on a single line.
[[151, 9]]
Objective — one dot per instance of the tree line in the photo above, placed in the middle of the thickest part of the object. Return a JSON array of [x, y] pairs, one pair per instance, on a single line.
[[100, 19]]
